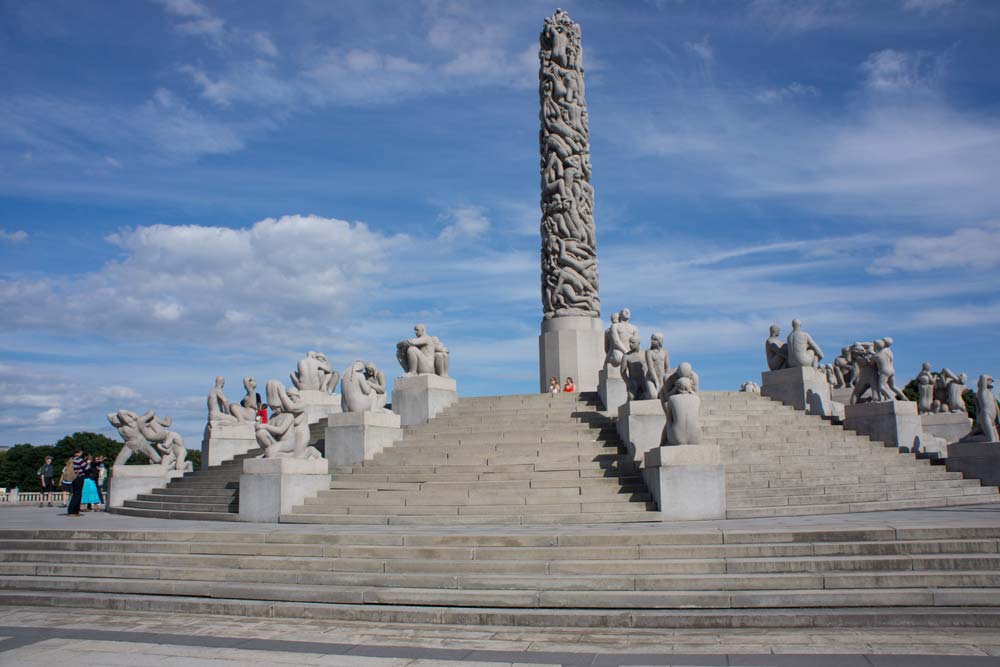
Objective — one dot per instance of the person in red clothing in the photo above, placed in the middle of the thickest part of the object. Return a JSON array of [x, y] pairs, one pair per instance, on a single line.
[[261, 411], [569, 387]]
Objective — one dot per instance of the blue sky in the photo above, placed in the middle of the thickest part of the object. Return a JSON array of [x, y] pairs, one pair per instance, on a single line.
[[191, 188]]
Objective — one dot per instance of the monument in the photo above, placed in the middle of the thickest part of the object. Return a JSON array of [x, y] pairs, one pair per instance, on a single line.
[[571, 339], [145, 434], [229, 430], [793, 376], [424, 389], [365, 427]]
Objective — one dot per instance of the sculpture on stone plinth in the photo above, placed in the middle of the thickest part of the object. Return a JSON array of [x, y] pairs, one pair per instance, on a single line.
[[925, 389], [886, 368], [315, 373], [956, 388], [247, 409], [867, 376], [219, 406], [776, 350], [127, 423], [423, 354], [681, 407], [286, 432], [803, 352], [377, 381], [750, 387], [986, 410], [169, 443], [358, 392], [845, 369], [657, 365], [569, 257], [634, 370], [616, 338]]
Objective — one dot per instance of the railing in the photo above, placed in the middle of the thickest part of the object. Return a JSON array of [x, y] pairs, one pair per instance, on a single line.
[[27, 497]]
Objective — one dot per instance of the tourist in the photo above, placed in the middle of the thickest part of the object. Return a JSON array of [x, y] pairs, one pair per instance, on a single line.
[[554, 385], [569, 387], [66, 482], [101, 477], [261, 410], [89, 496], [45, 475], [79, 472]]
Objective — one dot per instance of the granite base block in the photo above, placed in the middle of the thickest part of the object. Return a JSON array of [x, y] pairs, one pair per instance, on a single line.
[[127, 482], [419, 398], [688, 482], [226, 442], [895, 423], [802, 388], [611, 389], [319, 404], [949, 426], [976, 460], [272, 487], [640, 426], [570, 347], [355, 437]]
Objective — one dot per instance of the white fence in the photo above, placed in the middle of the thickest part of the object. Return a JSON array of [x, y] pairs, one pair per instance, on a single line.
[[15, 497]]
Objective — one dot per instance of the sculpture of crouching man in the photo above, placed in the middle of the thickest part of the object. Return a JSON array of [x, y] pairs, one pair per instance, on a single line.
[[681, 407], [286, 432], [315, 373], [423, 354]]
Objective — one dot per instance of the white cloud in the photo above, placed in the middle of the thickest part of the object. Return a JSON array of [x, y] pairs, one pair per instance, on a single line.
[[16, 236], [702, 49], [782, 93], [797, 16], [927, 6], [49, 416], [467, 222], [966, 248], [889, 70]]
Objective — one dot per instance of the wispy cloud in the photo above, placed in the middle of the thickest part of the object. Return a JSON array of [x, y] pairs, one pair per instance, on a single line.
[[16, 236]]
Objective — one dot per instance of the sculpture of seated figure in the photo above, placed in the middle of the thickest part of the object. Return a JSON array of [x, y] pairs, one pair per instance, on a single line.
[[246, 411], [886, 368], [168, 443], [609, 341], [657, 365], [682, 410], [844, 368], [423, 354], [127, 423], [634, 370], [803, 352], [669, 387], [286, 432], [986, 409], [830, 373], [314, 372], [357, 394], [955, 390], [925, 389], [219, 406], [377, 381], [776, 350]]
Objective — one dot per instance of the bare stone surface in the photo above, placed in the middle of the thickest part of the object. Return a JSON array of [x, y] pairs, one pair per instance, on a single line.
[[419, 398]]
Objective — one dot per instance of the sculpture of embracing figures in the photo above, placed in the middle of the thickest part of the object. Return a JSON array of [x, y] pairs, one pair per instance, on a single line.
[[147, 434], [423, 354], [362, 388], [286, 432], [314, 372], [681, 407]]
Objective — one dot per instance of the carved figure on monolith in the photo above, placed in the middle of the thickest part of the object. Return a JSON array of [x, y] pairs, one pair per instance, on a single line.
[[634, 370], [886, 367], [682, 410], [219, 405], [357, 391], [247, 409], [169, 443], [986, 409], [377, 381], [776, 350], [845, 368], [315, 373], [423, 354], [286, 432], [657, 365], [127, 424], [925, 389], [802, 349]]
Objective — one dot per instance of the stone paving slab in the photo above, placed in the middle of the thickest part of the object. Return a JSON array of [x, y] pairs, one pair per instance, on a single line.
[[41, 636]]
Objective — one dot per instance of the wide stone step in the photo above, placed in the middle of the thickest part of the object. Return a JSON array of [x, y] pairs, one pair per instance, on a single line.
[[176, 514], [182, 506], [534, 518], [747, 492], [843, 508]]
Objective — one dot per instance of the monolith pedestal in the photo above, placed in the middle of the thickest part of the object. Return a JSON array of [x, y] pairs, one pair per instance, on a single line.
[[640, 426], [976, 460], [355, 437], [127, 482], [419, 398], [688, 482], [803, 388], [319, 404], [272, 487], [895, 423], [571, 347], [223, 442]]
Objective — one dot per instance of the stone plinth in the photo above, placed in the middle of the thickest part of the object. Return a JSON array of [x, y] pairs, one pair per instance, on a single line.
[[688, 482], [127, 482], [802, 388], [949, 426], [611, 389], [976, 460], [354, 437], [841, 395], [419, 398], [272, 487], [640, 426], [895, 423], [319, 404], [570, 347], [226, 442]]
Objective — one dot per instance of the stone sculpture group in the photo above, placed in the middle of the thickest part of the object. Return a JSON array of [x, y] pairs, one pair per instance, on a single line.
[[147, 434], [940, 392], [569, 251], [799, 350]]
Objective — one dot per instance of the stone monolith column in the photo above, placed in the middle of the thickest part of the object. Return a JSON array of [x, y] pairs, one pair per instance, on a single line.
[[572, 341]]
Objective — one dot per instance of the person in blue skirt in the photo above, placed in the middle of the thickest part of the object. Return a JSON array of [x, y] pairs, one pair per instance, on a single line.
[[90, 496]]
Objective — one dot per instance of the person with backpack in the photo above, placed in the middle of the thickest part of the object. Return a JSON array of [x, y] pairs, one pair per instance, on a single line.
[[66, 482]]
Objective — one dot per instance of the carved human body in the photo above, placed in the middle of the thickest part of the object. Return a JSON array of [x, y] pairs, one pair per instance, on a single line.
[[802, 349], [168, 443], [247, 410], [127, 424], [886, 368], [377, 381], [218, 404], [986, 409], [634, 370], [925, 389], [356, 392], [657, 365], [314, 372], [619, 335], [286, 432], [867, 377], [423, 354], [683, 415], [956, 388], [776, 350], [845, 369]]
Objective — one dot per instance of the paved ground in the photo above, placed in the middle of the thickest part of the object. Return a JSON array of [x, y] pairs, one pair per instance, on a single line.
[[47, 636], [42, 518]]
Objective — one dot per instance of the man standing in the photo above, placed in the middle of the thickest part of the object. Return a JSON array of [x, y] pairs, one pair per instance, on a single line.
[[45, 474], [80, 468]]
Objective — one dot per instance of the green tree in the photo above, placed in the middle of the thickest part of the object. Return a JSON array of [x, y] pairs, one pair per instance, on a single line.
[[910, 390]]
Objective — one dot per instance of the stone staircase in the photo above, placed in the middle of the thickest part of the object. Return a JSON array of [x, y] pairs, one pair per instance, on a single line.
[[498, 460], [783, 462], [710, 576], [206, 495]]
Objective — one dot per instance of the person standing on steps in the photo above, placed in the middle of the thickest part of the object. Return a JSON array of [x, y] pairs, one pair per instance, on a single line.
[[79, 472], [45, 475], [554, 385]]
